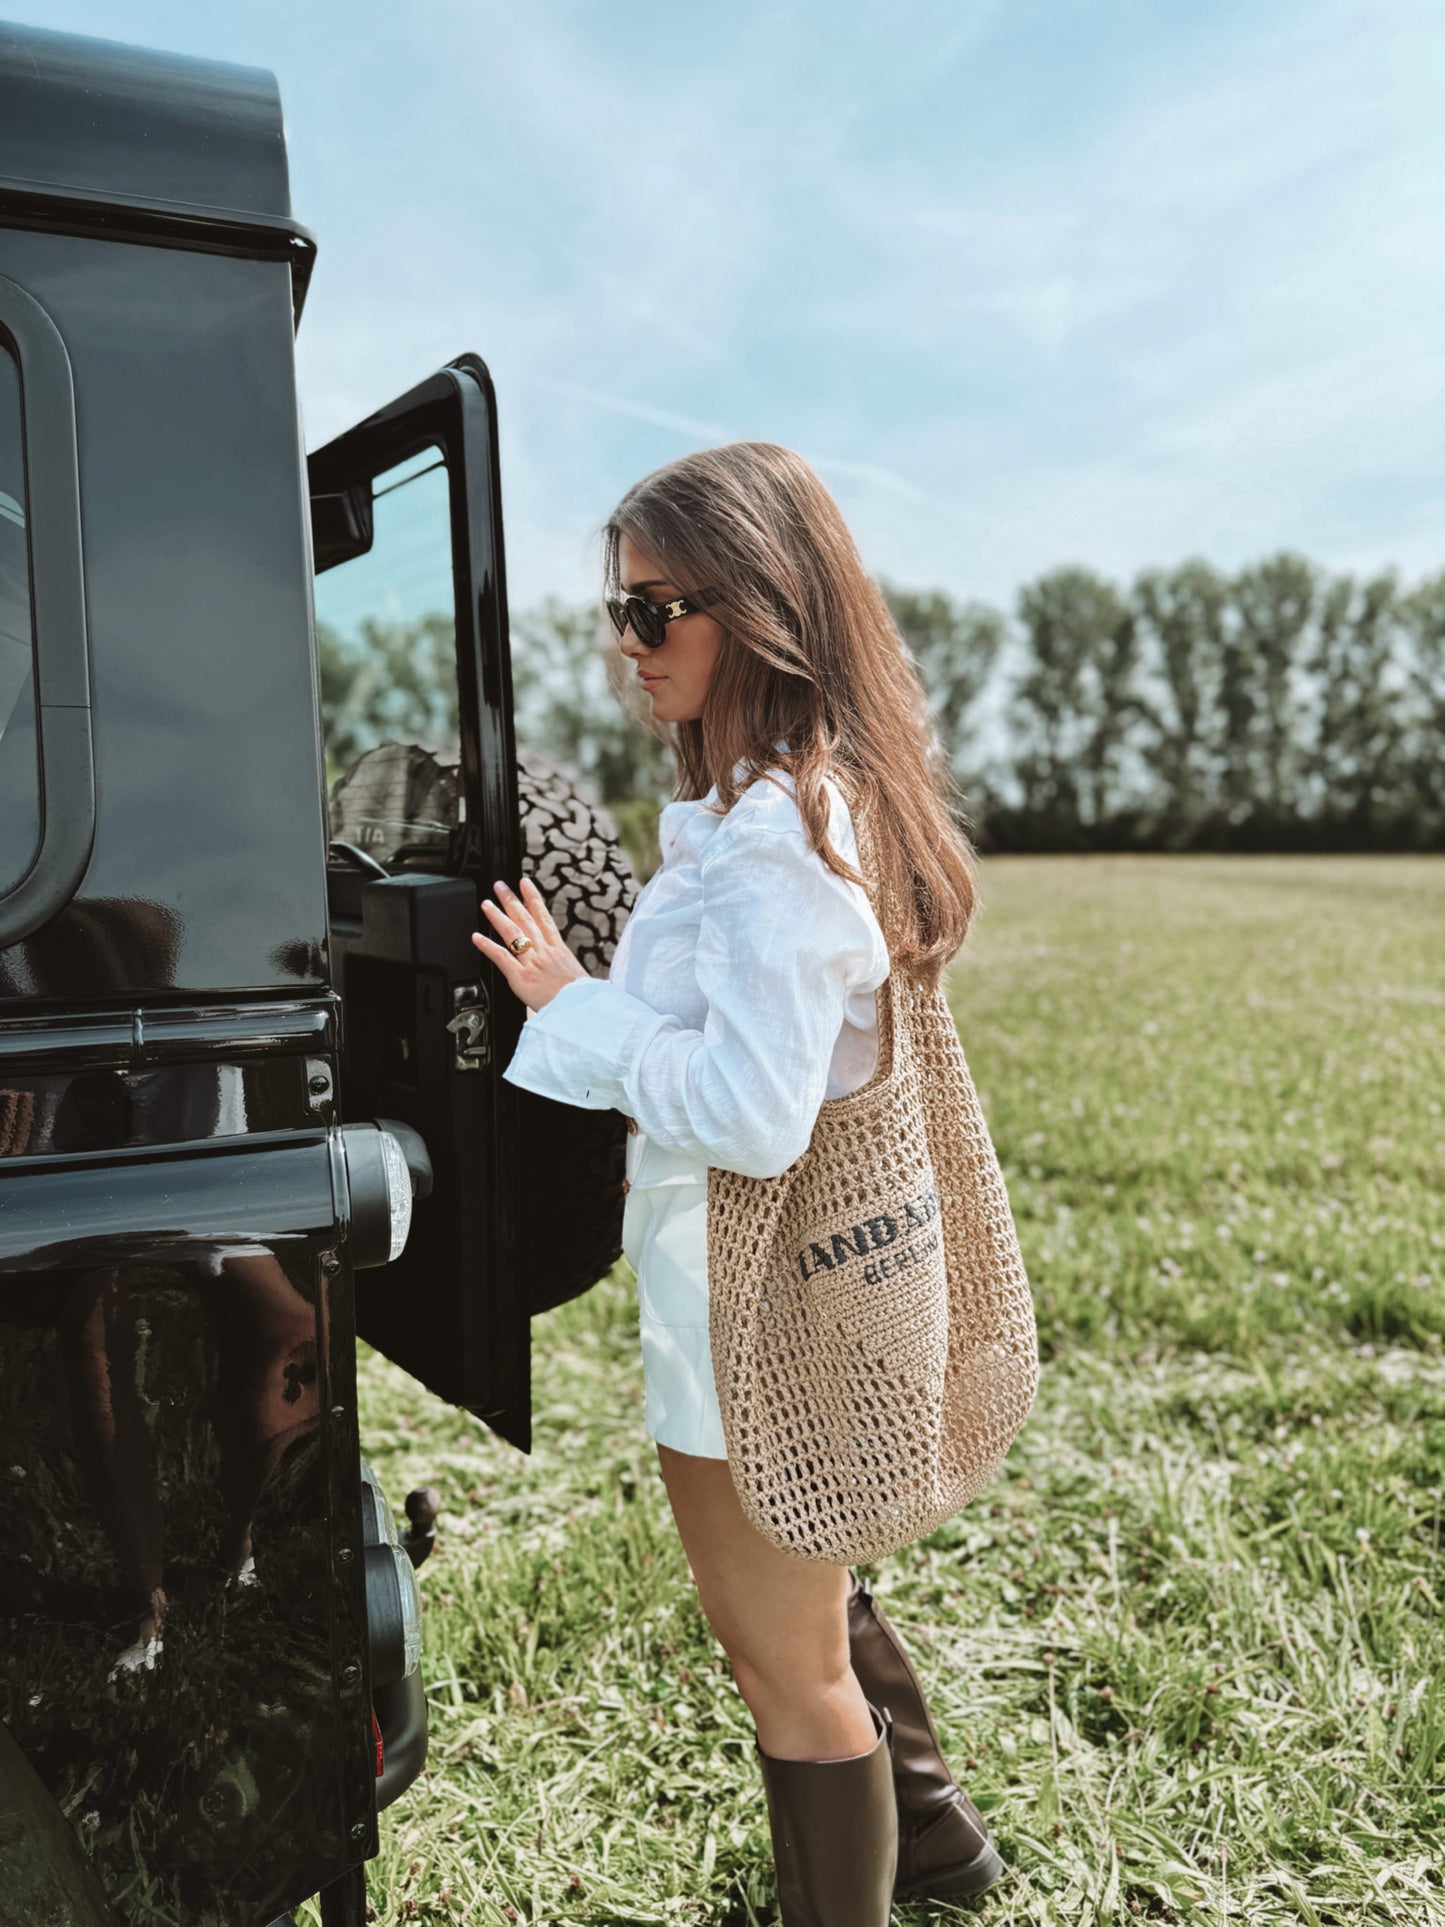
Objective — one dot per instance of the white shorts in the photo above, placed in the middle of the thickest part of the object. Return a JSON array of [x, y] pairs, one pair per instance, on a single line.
[[664, 1237]]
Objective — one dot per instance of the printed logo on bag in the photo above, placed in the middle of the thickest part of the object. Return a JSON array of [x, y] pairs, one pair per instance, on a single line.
[[902, 1242]]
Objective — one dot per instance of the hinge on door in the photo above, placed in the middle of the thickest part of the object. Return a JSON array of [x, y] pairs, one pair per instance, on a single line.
[[470, 1028]]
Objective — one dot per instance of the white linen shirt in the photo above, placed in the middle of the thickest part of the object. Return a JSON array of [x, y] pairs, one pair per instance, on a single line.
[[739, 996]]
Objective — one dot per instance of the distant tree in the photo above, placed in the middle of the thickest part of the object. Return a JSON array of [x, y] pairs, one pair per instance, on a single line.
[[1116, 667], [1261, 693], [1278, 707], [1181, 615], [1354, 760], [956, 646], [397, 682], [1422, 615], [1074, 701]]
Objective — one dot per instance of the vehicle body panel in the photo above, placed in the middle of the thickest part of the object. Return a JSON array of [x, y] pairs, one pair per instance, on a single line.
[[199, 999], [207, 869], [177, 1344], [177, 1379]]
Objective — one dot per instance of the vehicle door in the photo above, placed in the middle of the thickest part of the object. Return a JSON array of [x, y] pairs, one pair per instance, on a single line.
[[415, 667]]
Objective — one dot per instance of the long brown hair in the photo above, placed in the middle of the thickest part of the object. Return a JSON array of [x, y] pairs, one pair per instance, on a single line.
[[810, 654]]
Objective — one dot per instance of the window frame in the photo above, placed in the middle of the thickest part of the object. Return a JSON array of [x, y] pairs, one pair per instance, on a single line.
[[60, 637]]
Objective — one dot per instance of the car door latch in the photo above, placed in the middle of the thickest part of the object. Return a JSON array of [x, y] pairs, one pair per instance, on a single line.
[[471, 1028]]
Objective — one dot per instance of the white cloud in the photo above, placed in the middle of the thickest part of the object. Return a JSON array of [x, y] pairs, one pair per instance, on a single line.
[[1027, 284], [1205, 327]]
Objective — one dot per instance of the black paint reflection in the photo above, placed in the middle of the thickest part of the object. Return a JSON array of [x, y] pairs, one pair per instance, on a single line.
[[105, 1109], [263, 1341], [95, 948], [177, 1640], [165, 1572]]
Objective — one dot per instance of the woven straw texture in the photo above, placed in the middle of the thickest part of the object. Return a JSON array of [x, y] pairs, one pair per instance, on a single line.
[[872, 1330]]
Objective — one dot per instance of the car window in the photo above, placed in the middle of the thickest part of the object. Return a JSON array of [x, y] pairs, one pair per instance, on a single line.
[[19, 764], [386, 633]]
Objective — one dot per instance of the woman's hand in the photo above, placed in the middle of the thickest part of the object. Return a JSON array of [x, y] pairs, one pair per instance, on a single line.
[[539, 973]]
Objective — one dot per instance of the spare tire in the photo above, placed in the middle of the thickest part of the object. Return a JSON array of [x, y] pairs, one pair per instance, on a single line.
[[400, 804]]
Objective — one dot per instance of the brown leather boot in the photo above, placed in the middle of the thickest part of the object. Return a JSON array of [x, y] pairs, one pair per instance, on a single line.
[[943, 1846], [835, 1836]]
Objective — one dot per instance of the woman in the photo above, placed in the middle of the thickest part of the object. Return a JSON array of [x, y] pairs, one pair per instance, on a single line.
[[740, 995]]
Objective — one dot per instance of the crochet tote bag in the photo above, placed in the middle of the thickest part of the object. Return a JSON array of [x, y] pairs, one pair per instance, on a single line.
[[872, 1330]]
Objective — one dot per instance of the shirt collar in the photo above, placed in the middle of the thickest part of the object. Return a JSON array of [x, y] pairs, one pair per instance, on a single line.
[[741, 765]]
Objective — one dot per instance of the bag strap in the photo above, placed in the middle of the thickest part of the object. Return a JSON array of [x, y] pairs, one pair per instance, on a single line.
[[888, 999]]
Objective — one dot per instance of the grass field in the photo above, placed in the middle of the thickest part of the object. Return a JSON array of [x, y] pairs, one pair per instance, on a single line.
[[1187, 1650]]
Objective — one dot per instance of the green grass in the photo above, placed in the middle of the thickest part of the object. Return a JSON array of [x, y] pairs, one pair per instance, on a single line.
[[1187, 1650]]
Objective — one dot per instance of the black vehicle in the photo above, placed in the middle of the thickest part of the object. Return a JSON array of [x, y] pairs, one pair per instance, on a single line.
[[251, 1102]]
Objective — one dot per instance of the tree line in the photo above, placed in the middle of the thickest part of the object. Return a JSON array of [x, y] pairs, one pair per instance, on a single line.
[[1280, 707]]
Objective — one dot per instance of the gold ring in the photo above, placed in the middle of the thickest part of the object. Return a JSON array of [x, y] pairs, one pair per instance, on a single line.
[[518, 944]]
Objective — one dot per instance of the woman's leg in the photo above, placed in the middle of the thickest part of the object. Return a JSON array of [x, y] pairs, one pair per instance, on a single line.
[[782, 1621], [100, 1355], [826, 1763], [267, 1391]]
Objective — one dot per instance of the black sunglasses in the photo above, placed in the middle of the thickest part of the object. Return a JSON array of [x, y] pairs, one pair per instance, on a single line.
[[649, 620]]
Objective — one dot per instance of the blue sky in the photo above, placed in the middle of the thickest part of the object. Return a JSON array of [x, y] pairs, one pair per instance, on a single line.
[[1030, 281]]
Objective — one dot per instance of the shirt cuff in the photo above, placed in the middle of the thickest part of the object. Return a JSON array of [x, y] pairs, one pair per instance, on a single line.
[[580, 1046]]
